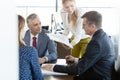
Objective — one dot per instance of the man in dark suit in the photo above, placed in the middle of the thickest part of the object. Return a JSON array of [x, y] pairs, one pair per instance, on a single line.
[[45, 47], [98, 60]]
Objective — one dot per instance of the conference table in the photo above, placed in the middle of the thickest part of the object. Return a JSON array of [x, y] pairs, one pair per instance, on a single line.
[[58, 77], [50, 75]]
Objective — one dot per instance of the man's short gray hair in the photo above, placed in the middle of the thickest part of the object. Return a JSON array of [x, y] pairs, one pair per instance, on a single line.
[[31, 17]]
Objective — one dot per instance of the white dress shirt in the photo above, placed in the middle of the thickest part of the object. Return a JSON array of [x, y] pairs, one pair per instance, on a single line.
[[78, 33], [31, 38]]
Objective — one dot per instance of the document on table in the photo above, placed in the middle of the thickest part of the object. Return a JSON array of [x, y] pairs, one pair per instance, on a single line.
[[46, 72], [59, 62], [60, 38]]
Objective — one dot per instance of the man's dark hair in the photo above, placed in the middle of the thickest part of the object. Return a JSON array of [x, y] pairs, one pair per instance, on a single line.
[[93, 17]]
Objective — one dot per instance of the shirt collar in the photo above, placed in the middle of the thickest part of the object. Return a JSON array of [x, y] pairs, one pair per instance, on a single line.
[[33, 35]]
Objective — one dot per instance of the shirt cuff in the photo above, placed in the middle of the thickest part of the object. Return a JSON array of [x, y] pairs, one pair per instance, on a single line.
[[76, 60], [46, 58], [53, 67], [73, 43]]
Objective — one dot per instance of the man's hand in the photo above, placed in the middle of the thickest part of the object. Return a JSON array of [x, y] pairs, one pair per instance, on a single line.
[[70, 59], [42, 60], [48, 67]]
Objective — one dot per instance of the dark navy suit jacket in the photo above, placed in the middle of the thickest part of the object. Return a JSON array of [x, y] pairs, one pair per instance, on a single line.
[[45, 46], [99, 57]]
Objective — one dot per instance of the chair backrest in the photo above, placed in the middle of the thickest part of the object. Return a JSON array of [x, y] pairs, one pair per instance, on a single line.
[[117, 67], [45, 27]]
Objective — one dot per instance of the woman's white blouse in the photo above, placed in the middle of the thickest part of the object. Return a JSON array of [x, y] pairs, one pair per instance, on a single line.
[[78, 33]]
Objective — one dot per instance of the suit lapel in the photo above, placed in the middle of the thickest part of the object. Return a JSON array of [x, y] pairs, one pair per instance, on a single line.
[[40, 42], [41, 39], [27, 38]]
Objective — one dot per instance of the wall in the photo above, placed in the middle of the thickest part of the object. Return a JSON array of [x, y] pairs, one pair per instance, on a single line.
[[8, 41]]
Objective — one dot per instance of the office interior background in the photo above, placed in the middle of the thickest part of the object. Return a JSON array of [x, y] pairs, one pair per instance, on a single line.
[[49, 13]]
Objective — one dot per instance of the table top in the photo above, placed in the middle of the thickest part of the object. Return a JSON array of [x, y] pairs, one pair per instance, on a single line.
[[58, 77], [50, 75]]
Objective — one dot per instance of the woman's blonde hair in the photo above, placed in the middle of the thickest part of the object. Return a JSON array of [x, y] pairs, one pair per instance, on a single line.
[[74, 16], [21, 24]]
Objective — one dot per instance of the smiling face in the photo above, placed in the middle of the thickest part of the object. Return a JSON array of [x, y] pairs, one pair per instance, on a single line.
[[69, 6]]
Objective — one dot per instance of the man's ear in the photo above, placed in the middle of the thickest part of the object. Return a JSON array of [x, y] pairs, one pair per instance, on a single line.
[[93, 26]]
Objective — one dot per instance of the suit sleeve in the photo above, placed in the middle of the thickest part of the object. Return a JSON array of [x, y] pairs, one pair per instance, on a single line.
[[52, 51], [66, 69], [91, 56]]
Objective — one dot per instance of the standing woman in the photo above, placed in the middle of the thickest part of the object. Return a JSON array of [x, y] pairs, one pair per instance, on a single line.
[[71, 17], [29, 68]]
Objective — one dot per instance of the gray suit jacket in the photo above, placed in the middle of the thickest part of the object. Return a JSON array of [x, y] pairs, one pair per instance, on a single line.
[[45, 46], [99, 57]]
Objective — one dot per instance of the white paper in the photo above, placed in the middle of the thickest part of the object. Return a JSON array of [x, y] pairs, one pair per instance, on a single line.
[[60, 38], [46, 72], [59, 62]]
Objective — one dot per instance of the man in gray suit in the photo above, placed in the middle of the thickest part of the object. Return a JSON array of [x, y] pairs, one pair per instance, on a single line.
[[98, 60], [45, 47]]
